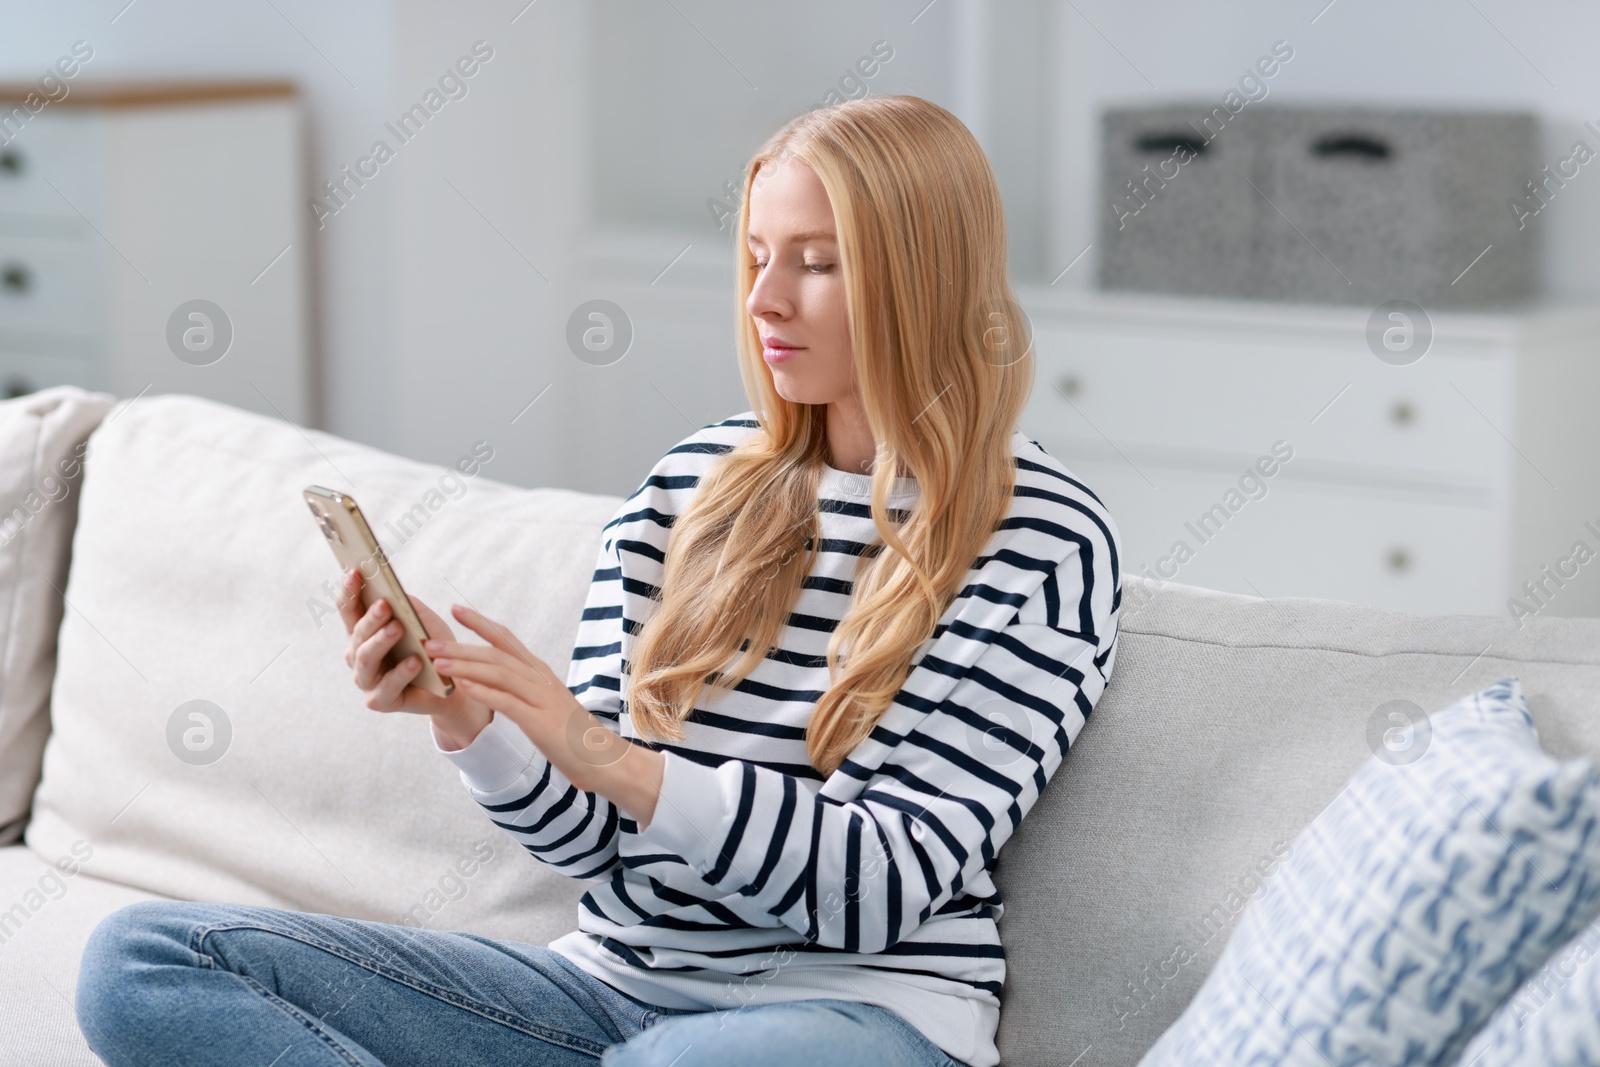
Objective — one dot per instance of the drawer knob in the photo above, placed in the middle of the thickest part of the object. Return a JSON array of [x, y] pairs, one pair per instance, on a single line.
[[1399, 560], [14, 387], [1070, 385], [1403, 413], [10, 163], [16, 278]]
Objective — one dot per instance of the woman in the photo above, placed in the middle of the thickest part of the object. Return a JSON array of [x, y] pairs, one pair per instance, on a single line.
[[795, 732]]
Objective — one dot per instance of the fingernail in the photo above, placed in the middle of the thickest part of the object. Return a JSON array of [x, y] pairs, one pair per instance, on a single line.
[[432, 645]]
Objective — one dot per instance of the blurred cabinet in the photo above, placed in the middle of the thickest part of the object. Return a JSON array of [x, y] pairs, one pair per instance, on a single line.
[[1448, 484], [154, 238]]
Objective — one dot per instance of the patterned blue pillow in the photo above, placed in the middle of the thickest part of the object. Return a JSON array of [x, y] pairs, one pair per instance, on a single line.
[[1411, 907], [1553, 1018]]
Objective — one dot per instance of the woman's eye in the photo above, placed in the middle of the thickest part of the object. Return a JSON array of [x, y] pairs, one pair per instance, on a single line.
[[816, 268]]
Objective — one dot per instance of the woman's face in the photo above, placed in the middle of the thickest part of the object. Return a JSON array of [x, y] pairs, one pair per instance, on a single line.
[[797, 295]]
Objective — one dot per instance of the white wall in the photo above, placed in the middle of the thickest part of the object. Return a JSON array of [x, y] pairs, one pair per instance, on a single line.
[[488, 201]]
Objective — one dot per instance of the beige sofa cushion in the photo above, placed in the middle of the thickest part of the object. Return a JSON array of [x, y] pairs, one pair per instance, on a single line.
[[50, 906], [42, 446], [198, 575]]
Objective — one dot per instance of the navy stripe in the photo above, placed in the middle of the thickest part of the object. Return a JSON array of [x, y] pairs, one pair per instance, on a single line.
[[852, 885], [730, 846], [780, 834]]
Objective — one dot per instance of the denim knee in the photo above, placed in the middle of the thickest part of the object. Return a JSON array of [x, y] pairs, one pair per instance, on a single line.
[[131, 940]]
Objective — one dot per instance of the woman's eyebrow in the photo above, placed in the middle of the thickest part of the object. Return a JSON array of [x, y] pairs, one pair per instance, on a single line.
[[804, 235]]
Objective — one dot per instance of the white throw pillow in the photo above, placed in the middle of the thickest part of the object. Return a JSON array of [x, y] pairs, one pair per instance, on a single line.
[[43, 439], [1552, 1018], [1411, 907], [209, 743]]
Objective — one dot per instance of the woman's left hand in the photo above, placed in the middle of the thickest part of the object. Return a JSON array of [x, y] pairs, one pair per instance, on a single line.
[[509, 678]]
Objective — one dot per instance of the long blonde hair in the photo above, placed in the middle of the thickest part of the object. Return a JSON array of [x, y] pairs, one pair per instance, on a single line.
[[944, 367]]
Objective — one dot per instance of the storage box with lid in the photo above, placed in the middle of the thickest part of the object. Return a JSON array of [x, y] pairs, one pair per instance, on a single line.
[[1320, 204]]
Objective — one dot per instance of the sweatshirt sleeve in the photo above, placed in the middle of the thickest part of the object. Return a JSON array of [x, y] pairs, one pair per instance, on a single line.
[[861, 875], [521, 791]]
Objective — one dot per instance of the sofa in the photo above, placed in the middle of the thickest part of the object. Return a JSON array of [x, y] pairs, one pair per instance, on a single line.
[[176, 720]]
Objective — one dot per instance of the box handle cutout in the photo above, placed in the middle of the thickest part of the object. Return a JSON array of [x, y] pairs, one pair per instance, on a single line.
[[1168, 143], [1350, 146]]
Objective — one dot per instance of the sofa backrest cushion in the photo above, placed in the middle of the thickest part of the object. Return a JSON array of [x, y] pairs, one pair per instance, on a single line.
[[1229, 723], [198, 587], [43, 439]]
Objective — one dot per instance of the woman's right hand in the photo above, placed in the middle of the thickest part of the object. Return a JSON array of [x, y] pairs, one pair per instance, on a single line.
[[457, 718]]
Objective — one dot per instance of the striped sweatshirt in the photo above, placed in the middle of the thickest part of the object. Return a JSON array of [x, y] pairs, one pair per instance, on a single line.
[[759, 879]]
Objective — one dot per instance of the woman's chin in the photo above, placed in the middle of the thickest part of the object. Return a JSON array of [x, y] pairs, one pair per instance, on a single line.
[[793, 389], [805, 389]]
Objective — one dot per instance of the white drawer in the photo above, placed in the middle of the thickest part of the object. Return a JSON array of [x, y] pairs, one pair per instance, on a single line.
[[51, 286], [1301, 539], [24, 372], [60, 148], [1441, 416]]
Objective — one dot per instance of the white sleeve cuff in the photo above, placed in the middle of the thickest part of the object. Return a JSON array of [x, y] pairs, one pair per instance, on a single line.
[[496, 759], [693, 810]]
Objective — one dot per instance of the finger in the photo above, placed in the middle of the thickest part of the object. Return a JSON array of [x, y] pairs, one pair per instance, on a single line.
[[386, 694], [432, 625], [534, 681], [511, 679], [495, 633], [463, 650], [507, 704], [369, 657], [375, 619], [530, 667], [349, 599]]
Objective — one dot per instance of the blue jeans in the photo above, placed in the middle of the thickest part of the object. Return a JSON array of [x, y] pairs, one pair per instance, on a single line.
[[180, 982]]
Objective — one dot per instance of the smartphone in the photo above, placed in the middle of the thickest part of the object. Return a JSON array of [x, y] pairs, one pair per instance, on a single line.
[[354, 545]]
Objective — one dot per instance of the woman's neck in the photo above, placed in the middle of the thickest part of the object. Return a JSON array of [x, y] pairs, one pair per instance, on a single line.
[[850, 444]]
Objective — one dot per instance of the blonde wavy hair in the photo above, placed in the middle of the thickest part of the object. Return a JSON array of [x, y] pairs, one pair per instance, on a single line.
[[944, 368]]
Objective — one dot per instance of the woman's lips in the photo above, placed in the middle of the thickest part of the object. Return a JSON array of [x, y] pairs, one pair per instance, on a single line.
[[778, 353]]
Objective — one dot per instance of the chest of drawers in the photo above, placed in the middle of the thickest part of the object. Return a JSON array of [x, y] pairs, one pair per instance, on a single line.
[[1459, 482], [122, 204]]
